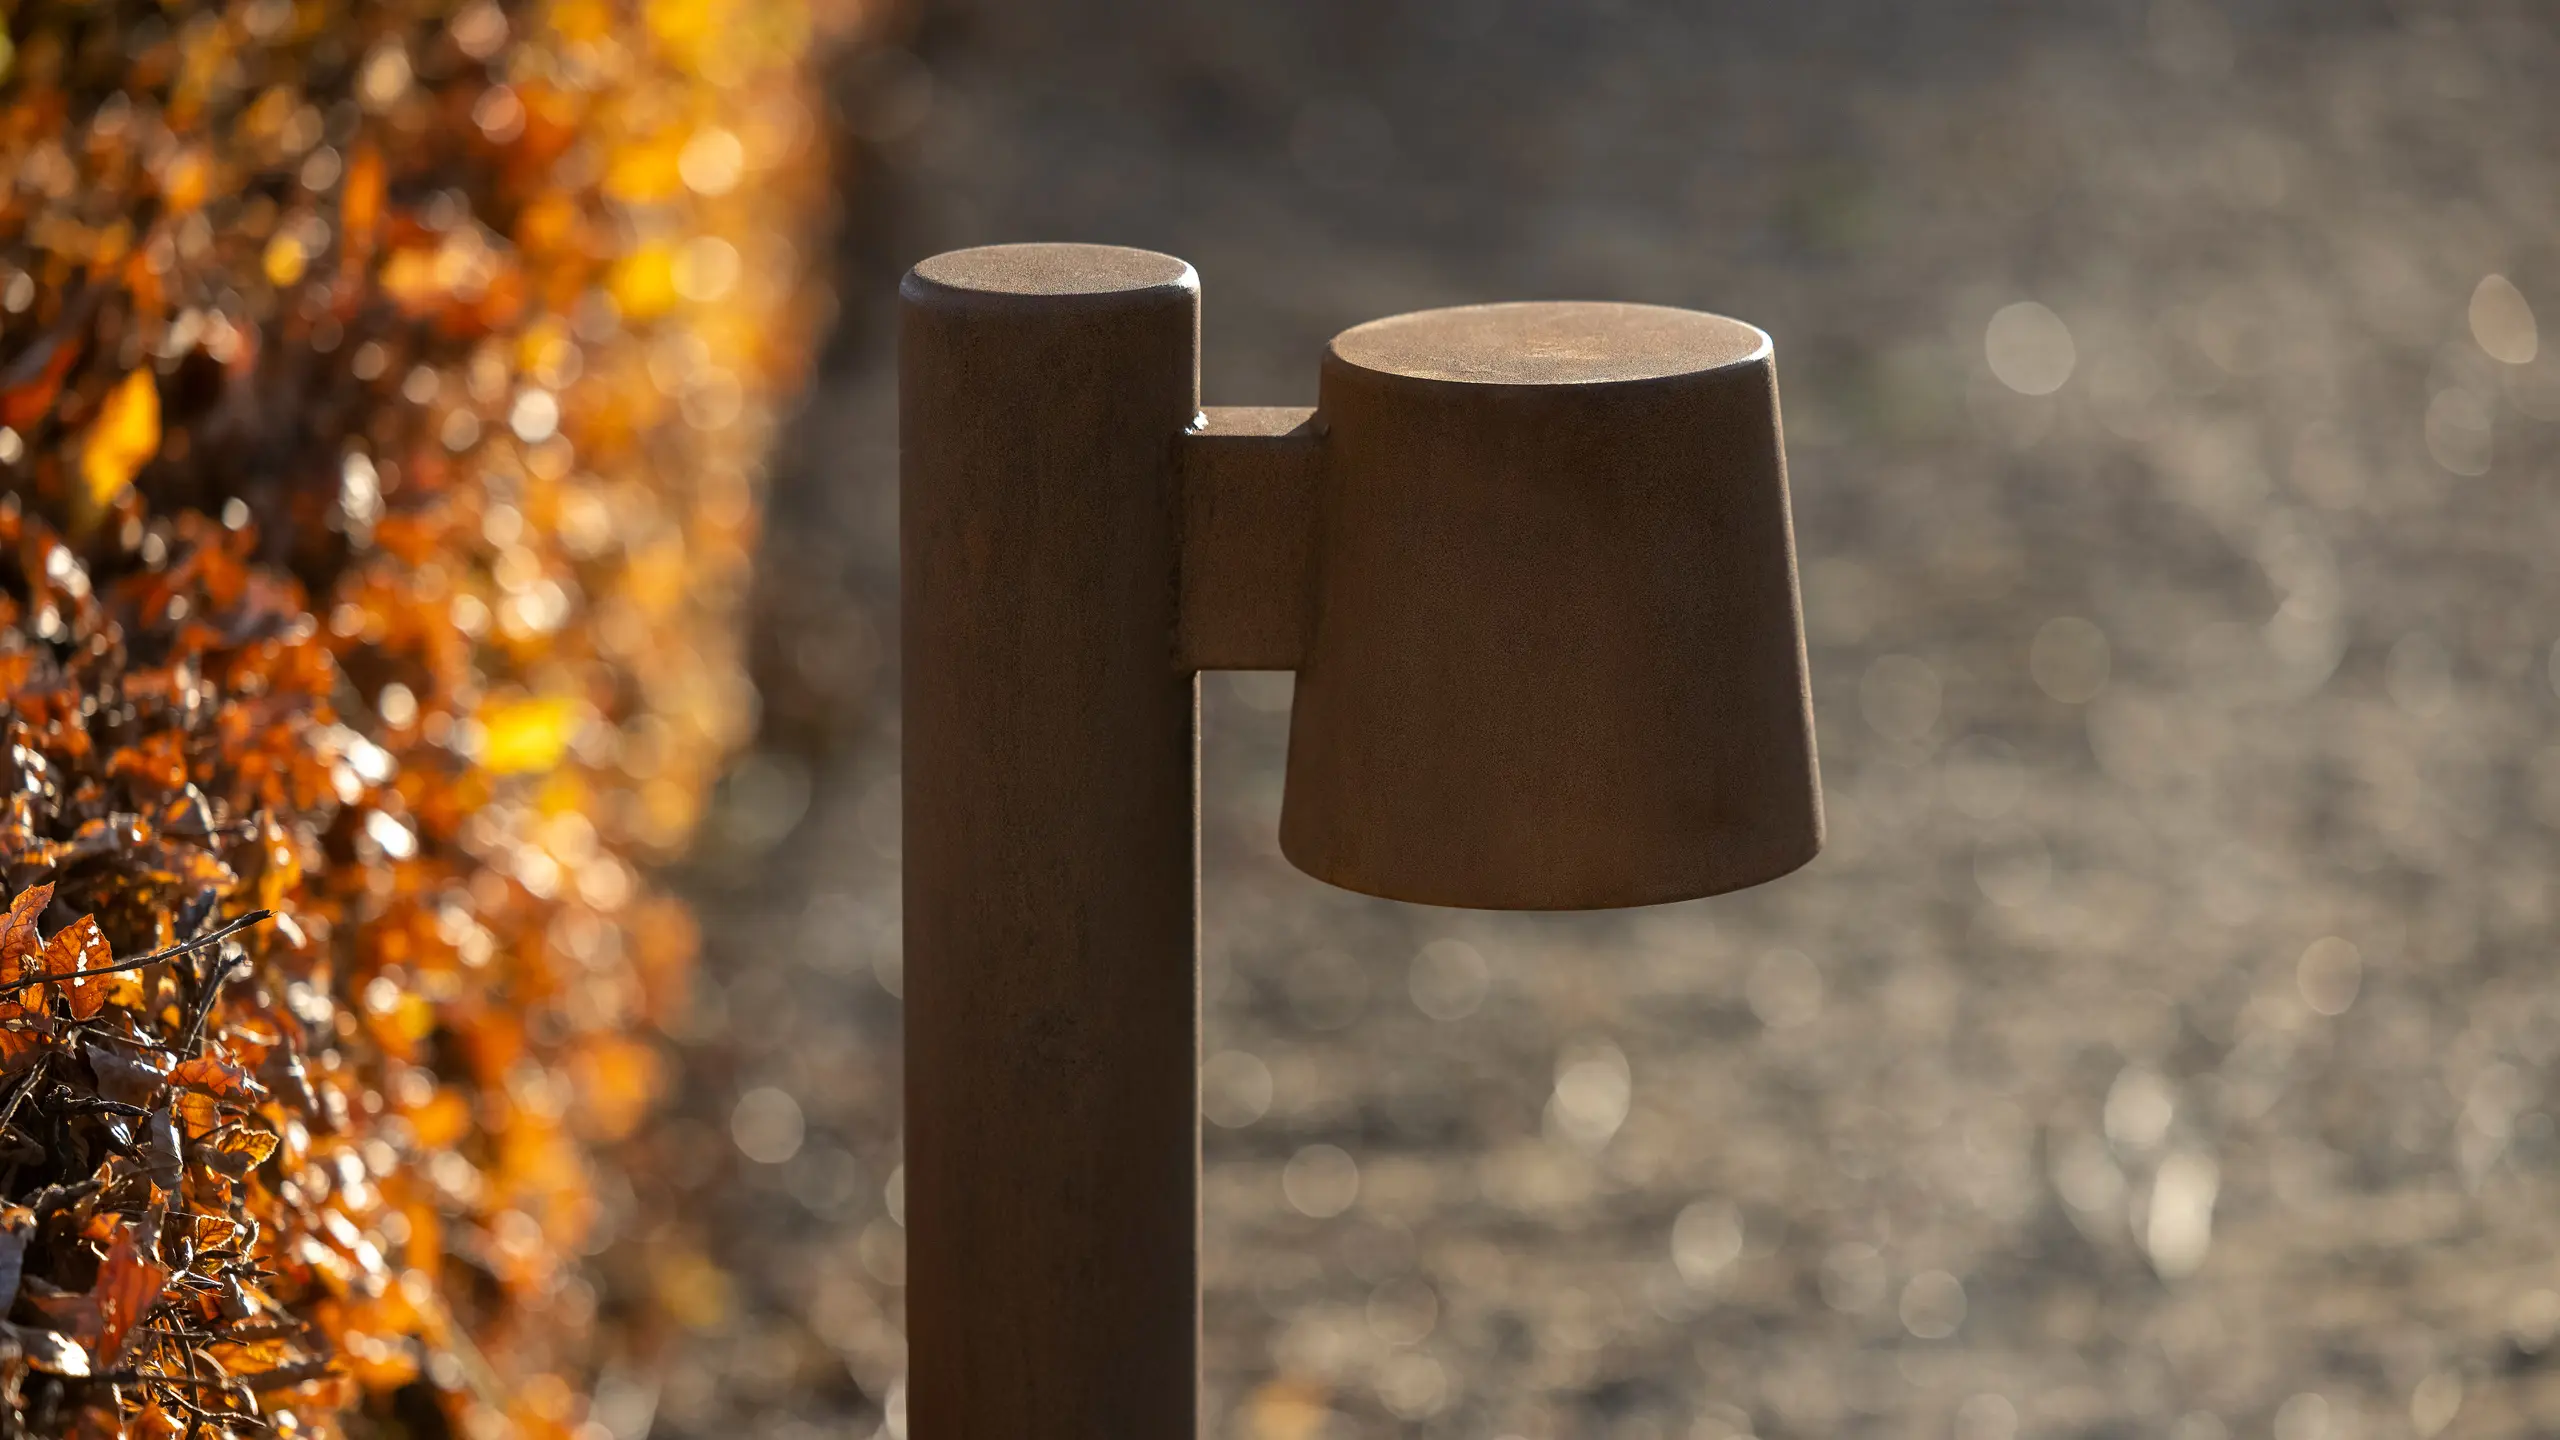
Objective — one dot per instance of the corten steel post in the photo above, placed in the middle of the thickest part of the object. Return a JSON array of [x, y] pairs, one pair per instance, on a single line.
[[1052, 869], [1534, 568]]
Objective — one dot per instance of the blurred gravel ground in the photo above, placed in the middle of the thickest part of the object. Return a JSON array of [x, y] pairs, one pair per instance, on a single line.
[[2164, 1045]]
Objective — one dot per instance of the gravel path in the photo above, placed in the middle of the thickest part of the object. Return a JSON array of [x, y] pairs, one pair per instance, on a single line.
[[2163, 1046]]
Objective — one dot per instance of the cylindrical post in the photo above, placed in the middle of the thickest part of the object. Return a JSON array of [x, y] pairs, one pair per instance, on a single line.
[[1051, 855]]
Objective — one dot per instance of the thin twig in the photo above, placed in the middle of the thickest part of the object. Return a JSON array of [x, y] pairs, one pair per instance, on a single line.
[[301, 1372], [35, 1073], [187, 947], [62, 1197], [240, 1335], [193, 1036]]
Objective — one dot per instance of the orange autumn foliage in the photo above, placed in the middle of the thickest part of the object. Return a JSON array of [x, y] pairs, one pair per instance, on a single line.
[[382, 392]]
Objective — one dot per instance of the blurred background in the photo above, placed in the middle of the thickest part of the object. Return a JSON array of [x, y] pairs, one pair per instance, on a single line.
[[2162, 1047]]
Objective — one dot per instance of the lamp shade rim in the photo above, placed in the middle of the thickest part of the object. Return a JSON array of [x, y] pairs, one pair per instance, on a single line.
[[1570, 897], [1550, 344]]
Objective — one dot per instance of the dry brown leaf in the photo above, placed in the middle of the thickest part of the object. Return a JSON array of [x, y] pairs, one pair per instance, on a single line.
[[49, 1351], [80, 945], [128, 1077], [235, 1150], [129, 1283], [218, 1078], [22, 953], [17, 1226]]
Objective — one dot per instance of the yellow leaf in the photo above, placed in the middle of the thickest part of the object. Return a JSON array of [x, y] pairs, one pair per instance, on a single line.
[[617, 1078], [649, 171], [528, 733], [188, 180], [588, 20], [1288, 1408], [693, 1290], [127, 435], [286, 260], [644, 283], [409, 278]]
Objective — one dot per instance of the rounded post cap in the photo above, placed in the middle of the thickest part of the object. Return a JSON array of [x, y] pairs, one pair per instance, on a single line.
[[1045, 274]]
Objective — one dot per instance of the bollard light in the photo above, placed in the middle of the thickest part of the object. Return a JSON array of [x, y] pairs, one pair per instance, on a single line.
[[1534, 568]]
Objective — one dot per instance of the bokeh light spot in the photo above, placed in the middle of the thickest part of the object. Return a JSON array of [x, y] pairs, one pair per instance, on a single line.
[[1448, 979], [1785, 989], [1235, 1089], [2069, 659], [2329, 974], [2029, 348], [2502, 321], [1320, 1181], [1933, 1305], [767, 1125]]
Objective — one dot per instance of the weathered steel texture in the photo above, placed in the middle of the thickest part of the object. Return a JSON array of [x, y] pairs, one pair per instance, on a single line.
[[1249, 478], [1051, 861], [1557, 661], [1534, 566]]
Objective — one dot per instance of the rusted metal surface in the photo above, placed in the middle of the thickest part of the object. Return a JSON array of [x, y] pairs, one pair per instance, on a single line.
[[1535, 568], [1249, 478], [1556, 661], [1051, 867]]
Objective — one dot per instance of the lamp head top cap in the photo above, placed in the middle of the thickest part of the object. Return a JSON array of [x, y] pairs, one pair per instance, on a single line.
[[1053, 270], [1549, 343]]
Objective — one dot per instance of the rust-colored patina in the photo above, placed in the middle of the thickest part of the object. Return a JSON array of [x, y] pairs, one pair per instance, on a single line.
[[1534, 568], [1052, 874], [1554, 659]]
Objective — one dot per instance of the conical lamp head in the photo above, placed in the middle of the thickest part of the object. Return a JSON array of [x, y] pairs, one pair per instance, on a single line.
[[1555, 658]]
